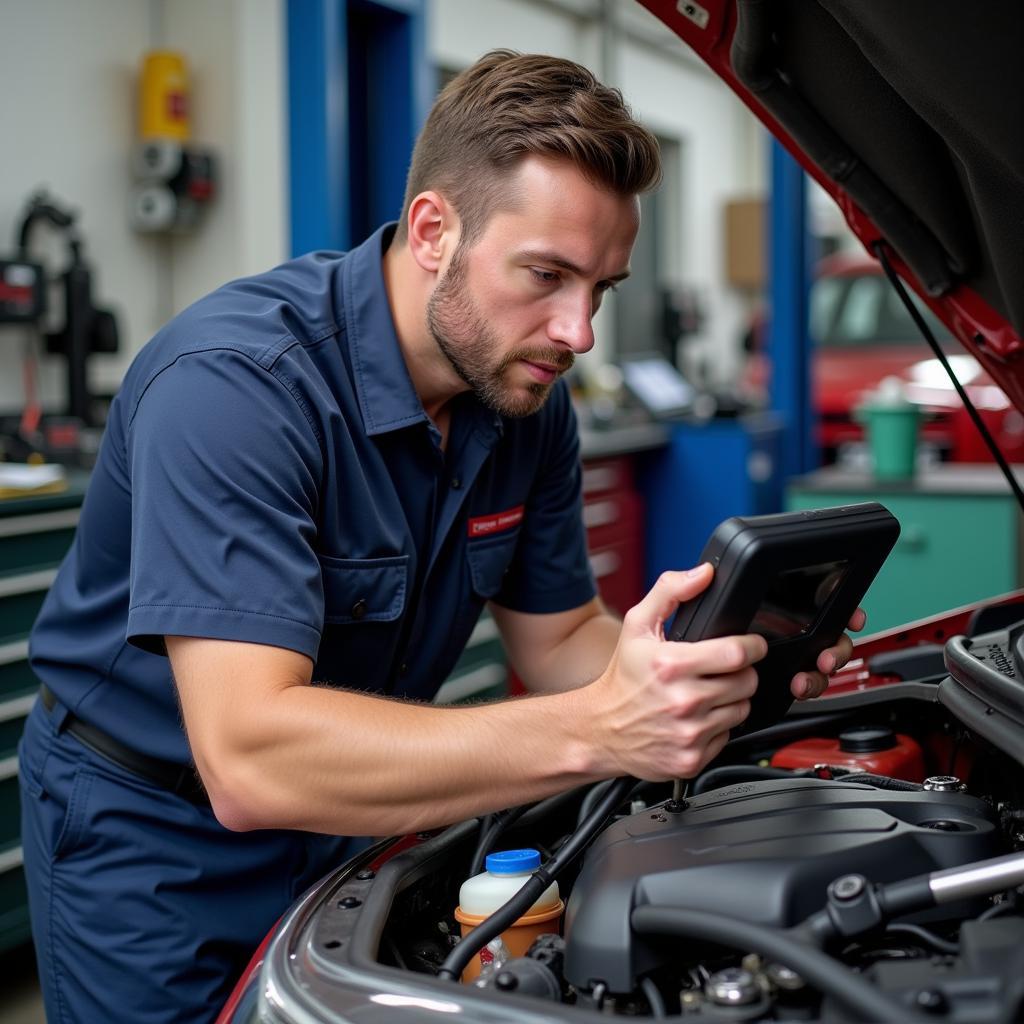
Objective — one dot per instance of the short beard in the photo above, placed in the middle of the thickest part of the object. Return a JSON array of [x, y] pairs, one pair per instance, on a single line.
[[468, 342]]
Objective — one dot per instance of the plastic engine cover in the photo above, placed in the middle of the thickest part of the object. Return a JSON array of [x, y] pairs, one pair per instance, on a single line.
[[758, 851]]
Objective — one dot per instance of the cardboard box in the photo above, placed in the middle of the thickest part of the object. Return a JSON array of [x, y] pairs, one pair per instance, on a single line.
[[745, 243]]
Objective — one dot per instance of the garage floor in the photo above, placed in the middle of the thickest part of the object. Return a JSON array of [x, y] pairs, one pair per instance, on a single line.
[[21, 1002]]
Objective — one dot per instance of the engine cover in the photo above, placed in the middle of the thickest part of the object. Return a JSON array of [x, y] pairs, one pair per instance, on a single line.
[[760, 851]]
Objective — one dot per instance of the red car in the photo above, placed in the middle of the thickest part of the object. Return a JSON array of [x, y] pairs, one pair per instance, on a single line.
[[862, 334]]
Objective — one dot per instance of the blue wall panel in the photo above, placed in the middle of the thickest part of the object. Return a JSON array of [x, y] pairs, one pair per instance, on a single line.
[[318, 128], [707, 473], [359, 89]]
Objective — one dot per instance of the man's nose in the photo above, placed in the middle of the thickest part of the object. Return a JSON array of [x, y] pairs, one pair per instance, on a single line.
[[571, 325]]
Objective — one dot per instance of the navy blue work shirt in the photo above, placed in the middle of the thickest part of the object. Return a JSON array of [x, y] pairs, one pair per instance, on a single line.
[[268, 474]]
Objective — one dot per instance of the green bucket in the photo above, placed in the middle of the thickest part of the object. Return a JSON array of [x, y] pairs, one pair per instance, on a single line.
[[892, 438]]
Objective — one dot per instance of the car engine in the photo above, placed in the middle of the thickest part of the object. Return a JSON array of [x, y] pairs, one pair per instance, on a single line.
[[763, 852], [861, 860]]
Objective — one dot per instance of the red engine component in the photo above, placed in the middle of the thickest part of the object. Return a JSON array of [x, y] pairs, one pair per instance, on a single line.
[[873, 749]]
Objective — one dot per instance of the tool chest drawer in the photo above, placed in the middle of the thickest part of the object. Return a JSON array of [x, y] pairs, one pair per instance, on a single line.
[[35, 534], [614, 519]]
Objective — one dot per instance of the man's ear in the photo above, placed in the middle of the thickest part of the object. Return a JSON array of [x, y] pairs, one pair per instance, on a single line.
[[433, 231]]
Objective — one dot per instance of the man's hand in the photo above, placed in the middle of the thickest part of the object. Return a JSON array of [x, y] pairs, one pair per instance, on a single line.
[[806, 685], [663, 709]]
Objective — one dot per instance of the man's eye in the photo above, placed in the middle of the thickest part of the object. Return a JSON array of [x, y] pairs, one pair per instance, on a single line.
[[544, 276], [607, 286]]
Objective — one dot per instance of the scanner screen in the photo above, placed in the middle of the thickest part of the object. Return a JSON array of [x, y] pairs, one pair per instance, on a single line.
[[796, 598]]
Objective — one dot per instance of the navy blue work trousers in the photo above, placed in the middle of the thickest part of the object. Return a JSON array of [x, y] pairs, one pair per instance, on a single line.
[[143, 907]]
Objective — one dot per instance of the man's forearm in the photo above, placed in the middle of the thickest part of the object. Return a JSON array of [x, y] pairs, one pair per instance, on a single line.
[[347, 763], [578, 659]]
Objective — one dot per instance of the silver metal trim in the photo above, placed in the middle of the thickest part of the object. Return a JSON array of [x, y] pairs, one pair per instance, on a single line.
[[19, 707], [26, 583], [8, 768], [16, 650], [11, 859], [39, 522]]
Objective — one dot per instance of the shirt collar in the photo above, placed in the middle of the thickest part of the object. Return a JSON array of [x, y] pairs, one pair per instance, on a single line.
[[387, 398]]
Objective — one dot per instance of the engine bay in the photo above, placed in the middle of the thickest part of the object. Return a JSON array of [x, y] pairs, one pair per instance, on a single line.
[[781, 888]]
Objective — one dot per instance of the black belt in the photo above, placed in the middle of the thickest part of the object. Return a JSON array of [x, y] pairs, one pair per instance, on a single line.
[[179, 779]]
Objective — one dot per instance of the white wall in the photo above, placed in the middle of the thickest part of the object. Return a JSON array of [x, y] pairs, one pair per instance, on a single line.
[[68, 71], [237, 51]]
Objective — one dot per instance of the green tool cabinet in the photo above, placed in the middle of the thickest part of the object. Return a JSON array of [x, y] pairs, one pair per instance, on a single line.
[[960, 536], [35, 532]]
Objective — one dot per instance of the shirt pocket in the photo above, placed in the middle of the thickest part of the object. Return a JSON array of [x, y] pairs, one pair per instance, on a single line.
[[489, 560], [360, 590]]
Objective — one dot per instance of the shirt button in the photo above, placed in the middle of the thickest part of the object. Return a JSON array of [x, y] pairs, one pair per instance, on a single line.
[[456, 483], [359, 609], [403, 668]]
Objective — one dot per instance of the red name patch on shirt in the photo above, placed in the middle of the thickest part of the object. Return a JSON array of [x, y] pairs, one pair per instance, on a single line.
[[480, 526]]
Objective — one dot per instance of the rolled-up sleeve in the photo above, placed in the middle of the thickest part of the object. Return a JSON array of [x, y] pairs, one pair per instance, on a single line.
[[225, 471]]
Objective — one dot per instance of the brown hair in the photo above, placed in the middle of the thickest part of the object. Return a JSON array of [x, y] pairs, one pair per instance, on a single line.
[[510, 105]]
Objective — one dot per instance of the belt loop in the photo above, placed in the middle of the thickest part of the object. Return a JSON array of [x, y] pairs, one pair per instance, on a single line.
[[56, 712], [59, 717]]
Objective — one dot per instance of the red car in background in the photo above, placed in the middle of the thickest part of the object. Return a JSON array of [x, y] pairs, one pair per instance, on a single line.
[[862, 334]]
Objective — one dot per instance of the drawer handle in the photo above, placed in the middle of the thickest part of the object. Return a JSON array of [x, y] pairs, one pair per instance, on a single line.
[[40, 522], [599, 478], [601, 513], [10, 859], [914, 538], [19, 707], [604, 563], [27, 583]]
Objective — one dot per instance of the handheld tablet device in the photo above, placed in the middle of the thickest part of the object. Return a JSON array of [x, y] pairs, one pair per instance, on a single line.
[[795, 578]]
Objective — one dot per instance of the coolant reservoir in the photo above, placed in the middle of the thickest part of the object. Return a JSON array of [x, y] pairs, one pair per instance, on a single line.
[[872, 749], [481, 895]]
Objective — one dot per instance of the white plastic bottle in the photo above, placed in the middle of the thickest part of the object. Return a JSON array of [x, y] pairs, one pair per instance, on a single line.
[[506, 873]]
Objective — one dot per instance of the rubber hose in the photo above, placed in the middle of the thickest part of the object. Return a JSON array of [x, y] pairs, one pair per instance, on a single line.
[[859, 997]]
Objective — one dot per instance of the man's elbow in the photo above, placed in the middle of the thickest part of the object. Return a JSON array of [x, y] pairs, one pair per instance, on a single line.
[[234, 812], [240, 802]]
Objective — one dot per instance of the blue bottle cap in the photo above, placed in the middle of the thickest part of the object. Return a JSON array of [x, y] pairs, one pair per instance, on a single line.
[[512, 862]]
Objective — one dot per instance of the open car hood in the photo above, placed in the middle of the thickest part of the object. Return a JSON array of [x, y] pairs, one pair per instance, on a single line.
[[910, 113]]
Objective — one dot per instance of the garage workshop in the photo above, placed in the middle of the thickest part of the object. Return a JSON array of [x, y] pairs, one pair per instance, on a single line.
[[510, 511]]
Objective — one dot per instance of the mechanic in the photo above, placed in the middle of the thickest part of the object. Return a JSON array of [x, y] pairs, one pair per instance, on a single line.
[[310, 483]]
